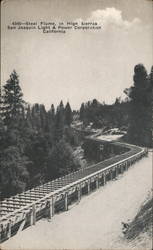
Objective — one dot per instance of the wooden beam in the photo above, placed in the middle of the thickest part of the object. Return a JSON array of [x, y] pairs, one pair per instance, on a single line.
[[79, 193], [104, 178], [32, 195], [10, 202], [97, 182], [8, 209], [66, 201], [10, 206], [88, 186], [21, 226], [33, 215], [111, 174], [28, 198], [9, 229], [52, 206]]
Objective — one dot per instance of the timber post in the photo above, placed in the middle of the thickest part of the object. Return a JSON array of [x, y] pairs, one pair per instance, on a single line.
[[88, 186], [126, 165], [116, 172], [66, 201], [51, 208], [79, 193], [111, 173], [97, 182], [33, 215], [9, 229], [104, 178]]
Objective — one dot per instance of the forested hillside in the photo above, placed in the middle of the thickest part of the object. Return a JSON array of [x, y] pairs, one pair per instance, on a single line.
[[133, 114], [105, 116], [36, 145]]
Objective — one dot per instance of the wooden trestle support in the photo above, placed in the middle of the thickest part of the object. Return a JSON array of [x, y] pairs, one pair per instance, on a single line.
[[25, 209]]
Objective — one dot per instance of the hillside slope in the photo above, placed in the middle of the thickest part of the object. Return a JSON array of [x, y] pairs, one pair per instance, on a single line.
[[142, 222]]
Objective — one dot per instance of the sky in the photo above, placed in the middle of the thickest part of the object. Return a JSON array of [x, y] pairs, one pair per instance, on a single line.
[[80, 65]]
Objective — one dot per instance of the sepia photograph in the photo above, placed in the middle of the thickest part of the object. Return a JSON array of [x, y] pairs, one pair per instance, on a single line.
[[76, 125]]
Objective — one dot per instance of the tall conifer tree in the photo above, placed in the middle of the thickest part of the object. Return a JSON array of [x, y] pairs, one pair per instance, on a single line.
[[68, 114], [139, 127], [12, 102]]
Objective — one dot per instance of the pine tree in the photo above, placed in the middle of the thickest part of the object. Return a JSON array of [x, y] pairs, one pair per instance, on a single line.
[[139, 127], [59, 121], [52, 110], [28, 117], [51, 121], [151, 78], [12, 102], [68, 114], [82, 112], [2, 135], [151, 101], [36, 120], [43, 117]]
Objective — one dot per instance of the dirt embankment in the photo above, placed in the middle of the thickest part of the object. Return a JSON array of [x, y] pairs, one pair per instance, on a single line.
[[143, 221]]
